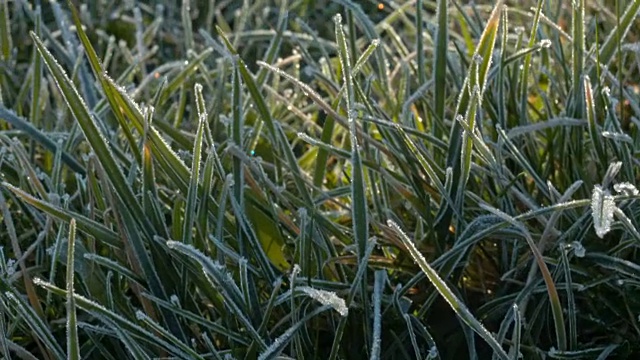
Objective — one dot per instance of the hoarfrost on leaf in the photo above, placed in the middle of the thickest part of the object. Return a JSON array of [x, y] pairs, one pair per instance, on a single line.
[[327, 298], [602, 209], [578, 249], [545, 43], [626, 188]]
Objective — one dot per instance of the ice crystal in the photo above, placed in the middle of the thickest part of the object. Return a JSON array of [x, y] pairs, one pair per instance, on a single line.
[[327, 298], [602, 209]]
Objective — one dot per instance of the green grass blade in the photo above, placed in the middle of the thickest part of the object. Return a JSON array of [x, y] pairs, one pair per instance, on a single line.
[[358, 196], [609, 48], [223, 281], [594, 132], [378, 285], [524, 79], [251, 85], [73, 345], [92, 228], [90, 129], [118, 321], [578, 51], [35, 323], [35, 134], [475, 83], [458, 306], [440, 62], [554, 299], [6, 41], [190, 209]]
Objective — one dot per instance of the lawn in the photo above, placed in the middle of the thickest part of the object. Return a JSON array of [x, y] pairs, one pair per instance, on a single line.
[[319, 179]]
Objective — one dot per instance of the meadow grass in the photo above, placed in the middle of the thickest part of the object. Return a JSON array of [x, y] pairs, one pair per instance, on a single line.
[[317, 179]]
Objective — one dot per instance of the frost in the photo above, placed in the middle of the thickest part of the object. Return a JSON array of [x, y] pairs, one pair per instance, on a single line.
[[612, 171], [634, 47], [616, 136], [11, 269], [294, 272], [277, 344], [54, 198], [327, 298], [337, 19], [140, 315], [433, 353], [602, 209], [626, 189], [578, 249]]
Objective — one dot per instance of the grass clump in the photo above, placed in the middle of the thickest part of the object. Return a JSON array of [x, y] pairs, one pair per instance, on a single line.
[[216, 180]]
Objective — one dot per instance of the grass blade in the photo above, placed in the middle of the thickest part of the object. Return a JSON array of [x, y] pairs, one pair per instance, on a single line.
[[458, 306], [73, 345], [458, 158], [440, 61]]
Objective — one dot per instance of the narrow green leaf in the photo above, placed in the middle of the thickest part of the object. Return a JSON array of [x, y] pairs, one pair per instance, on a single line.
[[6, 42], [458, 158], [251, 85], [458, 306], [440, 62], [95, 138], [90, 227], [73, 345], [118, 321], [35, 134], [524, 79], [192, 195], [35, 323], [578, 51], [609, 48], [594, 132], [554, 299]]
